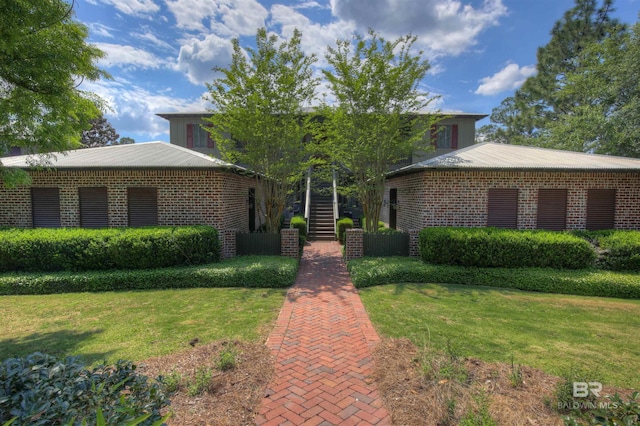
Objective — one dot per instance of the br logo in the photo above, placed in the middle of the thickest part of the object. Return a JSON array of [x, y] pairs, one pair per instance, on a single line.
[[582, 389]]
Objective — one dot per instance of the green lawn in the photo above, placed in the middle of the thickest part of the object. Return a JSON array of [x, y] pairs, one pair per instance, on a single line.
[[548, 331], [132, 325]]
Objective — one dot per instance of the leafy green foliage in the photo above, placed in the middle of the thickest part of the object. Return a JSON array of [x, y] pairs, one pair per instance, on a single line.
[[258, 118], [101, 133], [300, 223], [41, 390], [77, 249], [344, 224], [43, 58], [621, 249], [547, 101], [375, 122], [227, 358], [367, 272], [614, 411], [201, 382], [494, 247], [246, 271]]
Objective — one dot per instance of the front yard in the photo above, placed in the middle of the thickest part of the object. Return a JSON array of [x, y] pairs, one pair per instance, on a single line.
[[548, 331]]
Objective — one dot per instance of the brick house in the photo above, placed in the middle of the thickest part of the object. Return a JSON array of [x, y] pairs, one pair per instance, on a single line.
[[152, 183], [516, 187]]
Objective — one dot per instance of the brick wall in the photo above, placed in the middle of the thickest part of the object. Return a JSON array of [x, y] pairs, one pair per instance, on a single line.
[[354, 243], [185, 197], [460, 198], [289, 242]]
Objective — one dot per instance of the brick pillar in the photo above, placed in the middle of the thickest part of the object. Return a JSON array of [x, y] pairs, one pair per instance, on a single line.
[[289, 242], [414, 250], [354, 248], [228, 243]]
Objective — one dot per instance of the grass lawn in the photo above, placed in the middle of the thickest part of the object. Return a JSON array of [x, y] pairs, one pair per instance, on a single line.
[[132, 325], [549, 331]]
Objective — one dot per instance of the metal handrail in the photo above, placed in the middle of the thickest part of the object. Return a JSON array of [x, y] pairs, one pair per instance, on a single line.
[[307, 199], [336, 213]]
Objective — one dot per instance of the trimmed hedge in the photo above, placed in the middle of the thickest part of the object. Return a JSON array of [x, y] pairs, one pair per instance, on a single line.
[[244, 271], [505, 248], [78, 249], [300, 223], [620, 249], [366, 272], [344, 224]]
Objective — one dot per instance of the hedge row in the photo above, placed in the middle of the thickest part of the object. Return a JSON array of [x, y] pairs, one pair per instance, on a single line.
[[366, 272], [300, 223], [493, 247], [619, 250], [77, 249], [344, 224], [244, 271]]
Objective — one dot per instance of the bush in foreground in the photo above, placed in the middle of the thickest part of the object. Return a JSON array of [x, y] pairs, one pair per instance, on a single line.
[[367, 272], [41, 390], [344, 224], [244, 271], [504, 248], [77, 249], [621, 249]]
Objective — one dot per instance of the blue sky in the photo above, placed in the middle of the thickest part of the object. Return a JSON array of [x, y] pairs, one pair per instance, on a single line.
[[160, 52]]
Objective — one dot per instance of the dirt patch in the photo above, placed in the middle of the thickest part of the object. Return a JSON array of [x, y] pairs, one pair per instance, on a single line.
[[230, 397], [451, 388]]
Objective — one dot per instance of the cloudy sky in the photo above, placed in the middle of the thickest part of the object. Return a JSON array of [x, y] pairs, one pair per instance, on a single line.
[[160, 52]]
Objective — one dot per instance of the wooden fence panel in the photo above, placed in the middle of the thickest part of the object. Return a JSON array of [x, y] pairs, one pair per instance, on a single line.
[[386, 244]]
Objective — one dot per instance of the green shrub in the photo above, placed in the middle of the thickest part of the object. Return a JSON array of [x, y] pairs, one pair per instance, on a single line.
[[77, 249], [344, 224], [41, 390], [367, 272], [493, 247], [621, 250], [244, 271], [300, 223]]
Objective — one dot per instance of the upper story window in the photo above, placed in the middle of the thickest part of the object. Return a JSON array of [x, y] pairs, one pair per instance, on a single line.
[[197, 137], [445, 136]]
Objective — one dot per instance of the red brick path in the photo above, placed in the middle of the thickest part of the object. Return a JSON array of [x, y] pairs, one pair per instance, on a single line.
[[322, 343]]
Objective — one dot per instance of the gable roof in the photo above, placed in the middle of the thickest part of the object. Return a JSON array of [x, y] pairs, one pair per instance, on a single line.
[[494, 156], [148, 155]]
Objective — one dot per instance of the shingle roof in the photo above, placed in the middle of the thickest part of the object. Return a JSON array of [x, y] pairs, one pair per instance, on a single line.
[[148, 155], [493, 156]]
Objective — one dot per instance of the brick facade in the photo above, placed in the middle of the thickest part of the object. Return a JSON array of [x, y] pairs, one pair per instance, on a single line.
[[460, 198], [289, 242], [185, 197], [354, 243]]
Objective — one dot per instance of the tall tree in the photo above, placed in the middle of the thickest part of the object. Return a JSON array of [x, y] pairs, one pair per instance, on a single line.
[[375, 121], [44, 57], [525, 118], [101, 133], [606, 118], [125, 141], [258, 118]]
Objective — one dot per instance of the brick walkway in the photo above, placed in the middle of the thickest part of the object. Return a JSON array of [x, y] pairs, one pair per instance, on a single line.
[[322, 343]]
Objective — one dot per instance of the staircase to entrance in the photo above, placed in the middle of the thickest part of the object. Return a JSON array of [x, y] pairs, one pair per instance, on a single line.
[[321, 222]]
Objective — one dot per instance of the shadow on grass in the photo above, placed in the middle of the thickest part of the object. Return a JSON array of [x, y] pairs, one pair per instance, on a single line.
[[60, 344]]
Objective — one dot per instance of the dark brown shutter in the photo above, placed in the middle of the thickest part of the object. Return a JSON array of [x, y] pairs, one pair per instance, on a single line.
[[552, 209], [94, 207], [189, 135], [210, 142], [503, 208], [143, 206], [601, 209], [454, 136], [45, 207]]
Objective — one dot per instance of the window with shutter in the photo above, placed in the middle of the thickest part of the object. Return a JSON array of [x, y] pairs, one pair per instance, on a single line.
[[94, 207], [503, 208], [601, 209], [143, 206], [552, 209], [45, 207]]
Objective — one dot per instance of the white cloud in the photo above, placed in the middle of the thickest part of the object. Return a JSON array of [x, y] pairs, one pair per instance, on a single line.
[[446, 27], [311, 4], [98, 29], [315, 36], [198, 57], [225, 17], [128, 57], [134, 7], [151, 38], [510, 77], [134, 109]]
